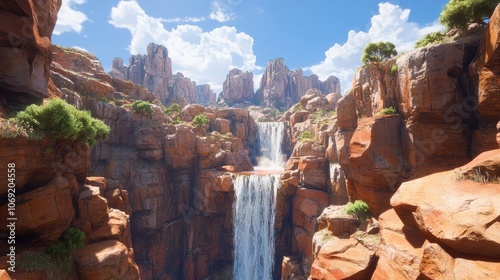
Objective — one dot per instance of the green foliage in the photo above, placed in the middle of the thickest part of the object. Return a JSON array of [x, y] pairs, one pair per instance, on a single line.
[[359, 209], [172, 109], [430, 38], [176, 120], [58, 120], [57, 260], [142, 107], [378, 52], [389, 111], [460, 13], [394, 70], [321, 114], [47, 151], [306, 135], [200, 120]]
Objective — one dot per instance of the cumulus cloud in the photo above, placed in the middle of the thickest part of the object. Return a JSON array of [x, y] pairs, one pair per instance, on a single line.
[[392, 24], [220, 12], [184, 19], [69, 19], [204, 56]]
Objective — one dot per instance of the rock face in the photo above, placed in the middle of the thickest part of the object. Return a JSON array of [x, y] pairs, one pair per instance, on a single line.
[[435, 238], [25, 52], [282, 88], [154, 71], [238, 87], [486, 66], [432, 106]]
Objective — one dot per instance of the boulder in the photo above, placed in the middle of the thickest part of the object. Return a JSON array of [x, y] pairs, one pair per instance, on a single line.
[[465, 221], [400, 250], [342, 259], [308, 149], [108, 259]]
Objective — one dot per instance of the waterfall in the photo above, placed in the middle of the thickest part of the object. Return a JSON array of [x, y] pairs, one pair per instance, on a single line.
[[254, 212], [271, 136], [254, 209]]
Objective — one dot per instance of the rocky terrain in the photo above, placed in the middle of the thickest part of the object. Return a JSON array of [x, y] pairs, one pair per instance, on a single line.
[[155, 199]]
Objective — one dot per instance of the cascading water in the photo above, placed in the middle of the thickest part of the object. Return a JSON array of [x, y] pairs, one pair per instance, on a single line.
[[254, 212], [271, 138], [254, 209]]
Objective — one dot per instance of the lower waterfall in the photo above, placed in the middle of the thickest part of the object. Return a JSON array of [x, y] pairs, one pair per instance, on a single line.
[[254, 212]]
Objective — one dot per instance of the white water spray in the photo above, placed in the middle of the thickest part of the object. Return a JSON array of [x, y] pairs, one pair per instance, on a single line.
[[271, 136]]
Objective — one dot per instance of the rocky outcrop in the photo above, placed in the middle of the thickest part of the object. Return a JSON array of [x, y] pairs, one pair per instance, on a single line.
[[340, 250], [282, 88], [238, 87], [435, 238], [25, 52]]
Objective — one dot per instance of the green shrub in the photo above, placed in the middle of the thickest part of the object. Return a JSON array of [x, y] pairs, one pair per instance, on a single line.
[[142, 107], [57, 260], [273, 113], [394, 70], [359, 209], [389, 111], [297, 107], [174, 108], [306, 135], [200, 120], [176, 120], [431, 38], [60, 121]]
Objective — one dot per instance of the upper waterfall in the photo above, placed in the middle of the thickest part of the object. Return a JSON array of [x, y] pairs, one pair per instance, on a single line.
[[271, 136]]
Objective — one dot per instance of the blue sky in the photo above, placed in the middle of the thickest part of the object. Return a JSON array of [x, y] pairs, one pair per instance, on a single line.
[[207, 38]]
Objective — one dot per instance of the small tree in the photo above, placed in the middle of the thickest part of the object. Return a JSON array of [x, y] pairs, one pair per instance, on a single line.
[[359, 209], [142, 107], [460, 13], [378, 52]]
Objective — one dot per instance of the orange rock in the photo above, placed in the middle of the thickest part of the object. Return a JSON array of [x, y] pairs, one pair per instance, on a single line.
[[108, 259], [308, 148], [314, 172], [45, 211], [4, 275], [400, 250], [465, 221], [342, 259], [376, 164]]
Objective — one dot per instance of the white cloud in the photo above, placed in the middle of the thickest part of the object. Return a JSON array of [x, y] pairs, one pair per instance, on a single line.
[[390, 24], [184, 19], [205, 57], [220, 12], [69, 19]]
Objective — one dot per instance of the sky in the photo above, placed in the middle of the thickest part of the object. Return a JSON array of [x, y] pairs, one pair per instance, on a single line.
[[207, 38]]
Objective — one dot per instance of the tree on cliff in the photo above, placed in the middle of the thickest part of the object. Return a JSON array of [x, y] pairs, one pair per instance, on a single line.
[[460, 13], [378, 52]]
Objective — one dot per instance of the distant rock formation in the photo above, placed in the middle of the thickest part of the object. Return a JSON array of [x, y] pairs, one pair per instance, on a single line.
[[154, 70], [204, 94], [282, 87], [238, 87]]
